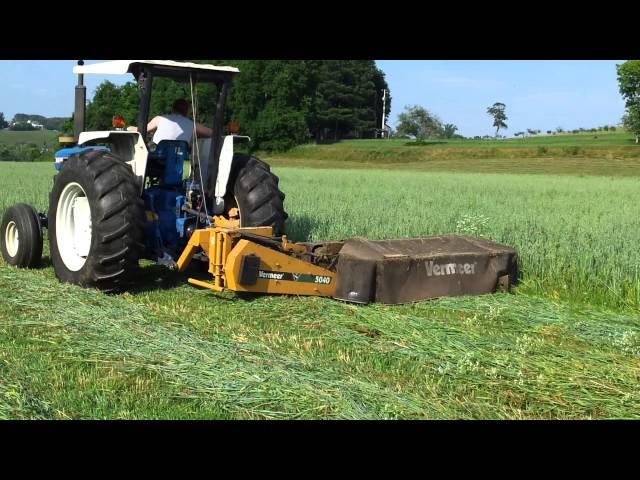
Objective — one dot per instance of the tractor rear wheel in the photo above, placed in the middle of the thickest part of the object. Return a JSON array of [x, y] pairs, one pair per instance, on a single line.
[[96, 216], [21, 236], [257, 195]]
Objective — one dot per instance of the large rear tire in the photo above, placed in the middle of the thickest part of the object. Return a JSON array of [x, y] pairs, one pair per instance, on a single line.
[[21, 236], [96, 218], [256, 192]]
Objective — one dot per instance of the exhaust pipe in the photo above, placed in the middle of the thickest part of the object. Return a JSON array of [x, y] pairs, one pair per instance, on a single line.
[[80, 106]]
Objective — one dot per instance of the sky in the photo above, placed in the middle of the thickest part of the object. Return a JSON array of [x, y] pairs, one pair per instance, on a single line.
[[538, 94]]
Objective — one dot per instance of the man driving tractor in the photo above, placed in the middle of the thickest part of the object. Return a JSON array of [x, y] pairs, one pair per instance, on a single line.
[[176, 125]]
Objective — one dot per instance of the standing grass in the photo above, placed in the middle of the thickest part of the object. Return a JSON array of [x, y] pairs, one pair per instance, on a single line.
[[10, 137], [576, 237]]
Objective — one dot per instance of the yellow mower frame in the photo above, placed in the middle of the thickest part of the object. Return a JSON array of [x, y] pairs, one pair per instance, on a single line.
[[238, 262]]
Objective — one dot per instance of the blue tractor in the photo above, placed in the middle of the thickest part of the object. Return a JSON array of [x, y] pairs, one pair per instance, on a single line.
[[116, 199]]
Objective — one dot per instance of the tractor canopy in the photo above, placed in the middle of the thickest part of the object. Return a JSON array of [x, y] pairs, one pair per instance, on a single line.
[[178, 71]]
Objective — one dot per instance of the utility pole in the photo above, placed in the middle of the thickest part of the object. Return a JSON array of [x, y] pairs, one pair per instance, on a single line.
[[384, 109]]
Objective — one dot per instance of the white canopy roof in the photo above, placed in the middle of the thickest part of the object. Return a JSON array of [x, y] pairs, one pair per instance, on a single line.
[[120, 67]]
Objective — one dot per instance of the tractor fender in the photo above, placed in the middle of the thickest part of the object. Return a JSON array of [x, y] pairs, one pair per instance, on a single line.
[[129, 146], [225, 165]]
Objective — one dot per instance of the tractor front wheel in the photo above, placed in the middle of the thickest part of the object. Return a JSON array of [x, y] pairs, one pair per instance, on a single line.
[[21, 237], [96, 216]]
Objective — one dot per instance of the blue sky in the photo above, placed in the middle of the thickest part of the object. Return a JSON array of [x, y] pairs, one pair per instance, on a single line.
[[539, 94]]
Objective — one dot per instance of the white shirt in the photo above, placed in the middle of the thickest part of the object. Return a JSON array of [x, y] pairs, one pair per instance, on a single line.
[[173, 127]]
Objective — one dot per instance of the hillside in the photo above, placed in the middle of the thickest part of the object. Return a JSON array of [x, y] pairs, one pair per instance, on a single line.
[[603, 153], [37, 137]]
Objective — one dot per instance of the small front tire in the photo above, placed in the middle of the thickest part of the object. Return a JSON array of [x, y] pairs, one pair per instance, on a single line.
[[21, 237]]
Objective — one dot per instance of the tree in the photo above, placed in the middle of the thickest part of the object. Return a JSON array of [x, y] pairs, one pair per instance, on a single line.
[[110, 100], [559, 129], [22, 127], [419, 122], [631, 121], [347, 99], [3, 122], [629, 85], [449, 130], [334, 99], [497, 111], [67, 126]]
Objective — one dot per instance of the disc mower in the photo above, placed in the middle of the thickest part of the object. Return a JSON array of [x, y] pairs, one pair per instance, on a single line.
[[117, 199]]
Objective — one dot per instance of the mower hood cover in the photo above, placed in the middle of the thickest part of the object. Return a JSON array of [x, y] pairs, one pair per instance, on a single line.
[[404, 271]]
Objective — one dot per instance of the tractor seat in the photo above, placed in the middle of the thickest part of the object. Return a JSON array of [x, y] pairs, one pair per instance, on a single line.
[[166, 161]]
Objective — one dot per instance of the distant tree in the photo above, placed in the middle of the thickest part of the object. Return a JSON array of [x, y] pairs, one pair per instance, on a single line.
[[629, 85], [22, 127], [518, 134], [3, 122], [497, 111], [549, 132], [110, 100], [559, 129], [417, 121], [54, 123], [67, 126], [531, 131], [631, 121], [449, 130], [612, 128]]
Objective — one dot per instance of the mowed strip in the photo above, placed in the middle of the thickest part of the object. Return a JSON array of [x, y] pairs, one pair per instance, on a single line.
[[186, 353]]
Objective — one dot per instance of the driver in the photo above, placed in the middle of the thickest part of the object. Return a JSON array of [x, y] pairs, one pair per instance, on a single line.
[[176, 125]]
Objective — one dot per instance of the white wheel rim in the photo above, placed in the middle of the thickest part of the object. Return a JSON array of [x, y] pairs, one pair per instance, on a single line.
[[73, 226], [11, 239]]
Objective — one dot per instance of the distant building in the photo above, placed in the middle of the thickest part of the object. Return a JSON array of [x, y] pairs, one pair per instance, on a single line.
[[33, 123]]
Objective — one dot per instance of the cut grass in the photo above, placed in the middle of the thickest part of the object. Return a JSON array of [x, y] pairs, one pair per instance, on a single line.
[[193, 354]]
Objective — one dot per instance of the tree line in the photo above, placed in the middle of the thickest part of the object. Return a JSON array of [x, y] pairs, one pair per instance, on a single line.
[[25, 152], [278, 103], [20, 122]]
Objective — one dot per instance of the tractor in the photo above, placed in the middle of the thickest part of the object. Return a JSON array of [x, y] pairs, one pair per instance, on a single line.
[[116, 199]]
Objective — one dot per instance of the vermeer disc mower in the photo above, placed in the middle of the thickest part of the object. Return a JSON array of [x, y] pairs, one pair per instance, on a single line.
[[115, 201]]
